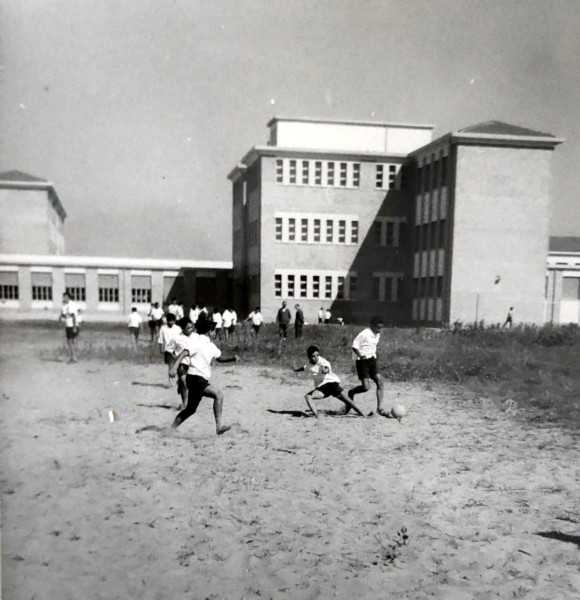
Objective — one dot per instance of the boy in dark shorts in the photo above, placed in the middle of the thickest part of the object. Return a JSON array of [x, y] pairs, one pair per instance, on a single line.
[[364, 348], [201, 351], [325, 381]]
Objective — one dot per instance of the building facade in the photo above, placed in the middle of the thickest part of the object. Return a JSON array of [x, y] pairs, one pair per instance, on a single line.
[[106, 289], [32, 215], [563, 281], [366, 218]]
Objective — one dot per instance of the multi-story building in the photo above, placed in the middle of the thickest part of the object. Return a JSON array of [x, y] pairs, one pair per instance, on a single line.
[[32, 215], [378, 218]]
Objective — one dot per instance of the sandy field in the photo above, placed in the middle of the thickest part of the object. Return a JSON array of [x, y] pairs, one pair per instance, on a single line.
[[460, 500]]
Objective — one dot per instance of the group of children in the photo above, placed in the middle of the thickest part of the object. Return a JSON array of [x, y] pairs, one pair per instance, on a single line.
[[189, 352]]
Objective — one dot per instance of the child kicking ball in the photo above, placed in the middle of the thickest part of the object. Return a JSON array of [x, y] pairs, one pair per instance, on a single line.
[[325, 381]]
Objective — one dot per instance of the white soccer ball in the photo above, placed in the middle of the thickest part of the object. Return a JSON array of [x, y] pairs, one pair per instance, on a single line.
[[398, 411]]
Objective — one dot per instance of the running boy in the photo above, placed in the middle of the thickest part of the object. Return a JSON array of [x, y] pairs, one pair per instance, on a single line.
[[134, 321], [167, 333], [201, 352], [364, 347], [326, 383]]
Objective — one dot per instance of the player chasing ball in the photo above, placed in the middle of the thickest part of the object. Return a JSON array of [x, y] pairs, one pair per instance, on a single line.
[[201, 351], [325, 381]]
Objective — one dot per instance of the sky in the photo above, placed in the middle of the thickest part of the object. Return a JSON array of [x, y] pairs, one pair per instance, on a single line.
[[138, 110]]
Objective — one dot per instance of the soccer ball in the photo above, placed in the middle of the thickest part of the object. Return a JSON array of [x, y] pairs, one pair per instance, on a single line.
[[398, 411]]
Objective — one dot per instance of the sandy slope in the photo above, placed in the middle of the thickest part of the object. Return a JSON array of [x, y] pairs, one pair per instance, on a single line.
[[282, 506]]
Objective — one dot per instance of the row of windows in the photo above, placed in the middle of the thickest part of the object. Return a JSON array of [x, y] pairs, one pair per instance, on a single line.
[[290, 285], [428, 287], [311, 230], [388, 287], [44, 293], [329, 173], [389, 233], [434, 175], [430, 236]]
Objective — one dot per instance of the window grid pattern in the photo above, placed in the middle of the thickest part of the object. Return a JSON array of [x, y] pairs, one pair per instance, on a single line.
[[140, 295], [78, 294], [386, 177], [42, 292], [108, 294], [317, 173], [316, 230], [9, 292], [388, 287], [314, 287], [389, 233]]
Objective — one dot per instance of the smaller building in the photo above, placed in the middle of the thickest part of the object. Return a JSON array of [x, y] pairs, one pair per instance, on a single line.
[[31, 286], [563, 281], [32, 215]]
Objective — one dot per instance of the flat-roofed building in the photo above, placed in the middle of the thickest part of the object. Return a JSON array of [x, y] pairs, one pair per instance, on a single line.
[[371, 218], [31, 215], [563, 281]]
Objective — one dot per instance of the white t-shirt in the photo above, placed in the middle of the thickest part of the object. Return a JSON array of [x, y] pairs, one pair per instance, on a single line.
[[366, 343], [320, 378], [179, 312], [201, 353], [156, 314], [256, 318], [134, 320], [327, 315], [227, 318], [193, 315], [217, 319], [173, 309], [166, 334], [70, 312], [181, 342]]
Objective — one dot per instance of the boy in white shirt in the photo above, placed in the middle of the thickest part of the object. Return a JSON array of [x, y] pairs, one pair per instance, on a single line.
[[227, 320], [217, 323], [70, 313], [201, 352], [175, 346], [257, 319], [168, 332], [326, 383], [364, 348], [134, 321]]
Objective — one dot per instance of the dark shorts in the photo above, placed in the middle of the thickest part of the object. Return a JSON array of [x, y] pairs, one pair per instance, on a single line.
[[169, 358], [366, 368], [72, 333], [256, 328], [196, 386], [152, 324], [232, 328], [330, 389]]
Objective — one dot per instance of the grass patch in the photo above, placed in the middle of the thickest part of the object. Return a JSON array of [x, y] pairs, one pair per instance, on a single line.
[[535, 368]]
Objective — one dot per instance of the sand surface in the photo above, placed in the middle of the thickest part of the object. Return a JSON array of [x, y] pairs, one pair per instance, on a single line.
[[283, 506]]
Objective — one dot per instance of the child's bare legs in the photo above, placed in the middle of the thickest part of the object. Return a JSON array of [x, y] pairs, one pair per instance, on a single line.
[[365, 386], [349, 404], [309, 397], [218, 400]]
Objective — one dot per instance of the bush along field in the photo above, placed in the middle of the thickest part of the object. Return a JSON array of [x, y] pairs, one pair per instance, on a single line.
[[533, 369]]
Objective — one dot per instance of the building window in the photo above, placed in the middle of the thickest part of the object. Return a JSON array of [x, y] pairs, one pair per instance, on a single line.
[[9, 285], [354, 232], [390, 239], [304, 230], [279, 171], [343, 170], [318, 172], [141, 289], [78, 294], [41, 286], [392, 176], [290, 286], [376, 288], [305, 172], [278, 229], [278, 286], [352, 287], [379, 177], [317, 230], [377, 232], [291, 230], [340, 288], [342, 232], [329, 231], [402, 234], [108, 288], [303, 286], [316, 286], [330, 174], [75, 286], [328, 286], [356, 175], [293, 171]]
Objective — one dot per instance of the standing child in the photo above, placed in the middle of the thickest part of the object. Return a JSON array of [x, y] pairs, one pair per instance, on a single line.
[[134, 321], [70, 313], [326, 383], [256, 319], [364, 347], [168, 332], [201, 352]]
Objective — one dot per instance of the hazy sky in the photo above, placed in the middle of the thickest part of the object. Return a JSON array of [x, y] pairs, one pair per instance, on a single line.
[[138, 109]]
